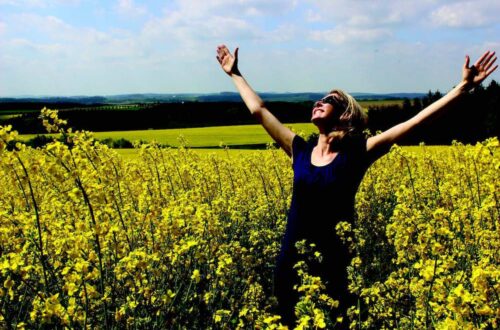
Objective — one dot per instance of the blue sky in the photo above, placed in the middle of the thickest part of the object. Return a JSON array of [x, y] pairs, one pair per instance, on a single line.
[[78, 47]]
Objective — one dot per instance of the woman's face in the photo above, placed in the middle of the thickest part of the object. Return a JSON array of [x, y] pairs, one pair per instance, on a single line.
[[323, 110]]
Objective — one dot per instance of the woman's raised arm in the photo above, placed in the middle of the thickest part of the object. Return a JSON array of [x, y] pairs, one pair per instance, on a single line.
[[471, 77], [280, 133]]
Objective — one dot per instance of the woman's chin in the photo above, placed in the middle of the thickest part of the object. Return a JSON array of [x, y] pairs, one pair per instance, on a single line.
[[322, 125], [318, 121]]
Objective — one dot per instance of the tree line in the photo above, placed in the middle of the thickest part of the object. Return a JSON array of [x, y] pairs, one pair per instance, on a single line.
[[474, 118]]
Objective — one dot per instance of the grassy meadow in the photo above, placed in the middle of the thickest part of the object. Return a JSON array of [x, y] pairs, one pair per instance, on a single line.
[[199, 137], [208, 140], [212, 140], [379, 103]]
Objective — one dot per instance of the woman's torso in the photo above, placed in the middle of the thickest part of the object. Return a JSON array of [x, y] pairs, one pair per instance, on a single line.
[[323, 195]]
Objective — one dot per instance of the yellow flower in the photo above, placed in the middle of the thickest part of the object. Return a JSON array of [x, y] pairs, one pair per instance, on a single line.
[[319, 318], [196, 275]]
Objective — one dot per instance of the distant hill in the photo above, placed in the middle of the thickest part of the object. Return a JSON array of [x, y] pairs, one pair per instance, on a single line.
[[192, 97]]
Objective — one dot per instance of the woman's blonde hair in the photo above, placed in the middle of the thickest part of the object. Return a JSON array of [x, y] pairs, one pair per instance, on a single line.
[[352, 119]]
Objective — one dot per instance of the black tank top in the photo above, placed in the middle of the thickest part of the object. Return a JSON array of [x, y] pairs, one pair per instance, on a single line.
[[323, 195]]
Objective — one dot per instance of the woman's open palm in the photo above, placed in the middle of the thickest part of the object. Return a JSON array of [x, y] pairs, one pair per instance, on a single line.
[[228, 62], [475, 74]]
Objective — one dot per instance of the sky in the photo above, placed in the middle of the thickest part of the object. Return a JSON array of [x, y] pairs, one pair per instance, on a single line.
[[92, 47]]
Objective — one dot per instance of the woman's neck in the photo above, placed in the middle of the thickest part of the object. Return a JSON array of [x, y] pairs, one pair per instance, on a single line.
[[323, 147]]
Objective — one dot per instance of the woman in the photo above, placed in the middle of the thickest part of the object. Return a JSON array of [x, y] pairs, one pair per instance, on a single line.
[[327, 173]]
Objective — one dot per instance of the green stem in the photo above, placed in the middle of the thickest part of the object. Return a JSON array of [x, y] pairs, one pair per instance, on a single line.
[[98, 246], [38, 224]]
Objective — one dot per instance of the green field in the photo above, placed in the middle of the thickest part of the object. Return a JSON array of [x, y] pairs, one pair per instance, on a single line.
[[208, 139], [18, 111], [380, 103], [200, 137], [8, 116]]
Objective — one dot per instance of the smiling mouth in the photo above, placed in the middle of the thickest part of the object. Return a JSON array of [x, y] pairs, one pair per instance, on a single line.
[[316, 110]]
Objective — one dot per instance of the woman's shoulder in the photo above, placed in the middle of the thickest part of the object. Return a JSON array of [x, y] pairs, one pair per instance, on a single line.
[[300, 146], [358, 142], [355, 145], [299, 142]]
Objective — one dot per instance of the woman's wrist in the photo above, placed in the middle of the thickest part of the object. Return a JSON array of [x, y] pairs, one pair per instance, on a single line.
[[464, 87], [235, 73]]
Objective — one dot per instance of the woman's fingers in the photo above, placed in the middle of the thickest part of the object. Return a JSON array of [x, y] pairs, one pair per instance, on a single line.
[[487, 59], [490, 56], [221, 47], [481, 59], [492, 69], [222, 50], [483, 66], [222, 56], [489, 63], [222, 53], [467, 61], [219, 58]]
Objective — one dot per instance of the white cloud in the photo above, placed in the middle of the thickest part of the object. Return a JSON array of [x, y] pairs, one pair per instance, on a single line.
[[312, 16], [129, 8], [53, 51], [48, 26], [57, 37], [199, 22], [395, 14], [346, 34], [55, 28], [284, 33], [37, 3], [466, 14], [363, 21], [366, 20], [236, 8], [368, 13], [65, 2], [23, 3], [186, 30], [492, 45]]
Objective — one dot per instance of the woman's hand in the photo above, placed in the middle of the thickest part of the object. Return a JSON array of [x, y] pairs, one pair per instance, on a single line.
[[228, 62], [474, 75]]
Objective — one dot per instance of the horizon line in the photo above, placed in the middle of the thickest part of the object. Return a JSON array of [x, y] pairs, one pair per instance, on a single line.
[[192, 93]]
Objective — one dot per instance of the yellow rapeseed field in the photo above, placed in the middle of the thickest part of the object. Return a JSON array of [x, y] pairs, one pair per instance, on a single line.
[[178, 240]]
